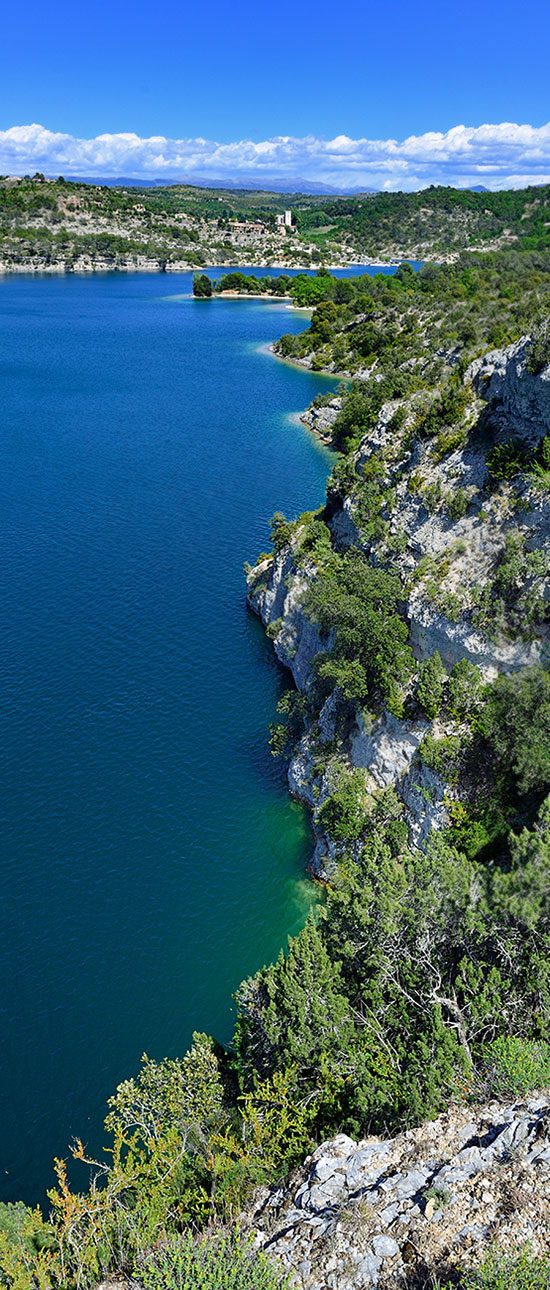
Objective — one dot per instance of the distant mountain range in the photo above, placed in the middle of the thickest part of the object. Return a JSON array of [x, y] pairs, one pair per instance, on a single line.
[[268, 185]]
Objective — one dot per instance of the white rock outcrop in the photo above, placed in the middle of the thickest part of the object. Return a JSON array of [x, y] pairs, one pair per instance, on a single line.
[[431, 631], [523, 398], [275, 592], [418, 1207]]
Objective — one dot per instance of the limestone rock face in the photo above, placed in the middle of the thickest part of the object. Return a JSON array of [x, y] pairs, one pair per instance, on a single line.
[[431, 631], [523, 398], [386, 749], [370, 1213], [301, 773], [275, 592], [343, 525], [321, 420]]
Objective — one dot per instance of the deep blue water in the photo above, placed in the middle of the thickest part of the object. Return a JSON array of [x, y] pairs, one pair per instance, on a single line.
[[151, 856]]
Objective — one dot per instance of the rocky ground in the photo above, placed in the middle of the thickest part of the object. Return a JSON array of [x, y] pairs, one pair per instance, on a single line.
[[415, 1210], [418, 1207]]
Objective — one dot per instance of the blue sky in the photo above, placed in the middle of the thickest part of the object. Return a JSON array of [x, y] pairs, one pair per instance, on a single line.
[[255, 72]]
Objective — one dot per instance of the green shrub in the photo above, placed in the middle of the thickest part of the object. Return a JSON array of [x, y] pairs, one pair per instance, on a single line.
[[446, 410], [544, 452], [294, 1011], [220, 1263], [314, 540], [456, 504], [281, 530], [397, 419], [512, 603], [538, 355], [540, 475], [511, 1066], [442, 756], [273, 628], [361, 606], [430, 685], [439, 1194], [448, 441], [343, 813], [505, 461], [431, 496], [287, 346], [293, 706], [498, 1271], [464, 689], [516, 721], [370, 501]]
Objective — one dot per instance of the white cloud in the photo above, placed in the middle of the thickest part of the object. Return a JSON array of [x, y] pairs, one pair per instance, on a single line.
[[497, 155]]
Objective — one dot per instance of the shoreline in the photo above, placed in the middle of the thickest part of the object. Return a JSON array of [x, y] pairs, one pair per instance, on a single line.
[[298, 419], [260, 295], [64, 269], [248, 295], [267, 348]]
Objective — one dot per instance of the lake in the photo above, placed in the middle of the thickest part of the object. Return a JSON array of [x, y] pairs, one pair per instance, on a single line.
[[151, 855]]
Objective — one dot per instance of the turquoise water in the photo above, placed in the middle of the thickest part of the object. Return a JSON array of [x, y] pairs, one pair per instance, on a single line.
[[151, 856]]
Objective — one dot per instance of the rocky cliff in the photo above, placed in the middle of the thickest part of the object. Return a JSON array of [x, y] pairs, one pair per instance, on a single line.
[[521, 398], [465, 523]]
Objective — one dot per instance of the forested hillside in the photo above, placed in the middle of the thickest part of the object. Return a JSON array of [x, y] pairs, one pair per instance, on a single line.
[[64, 226]]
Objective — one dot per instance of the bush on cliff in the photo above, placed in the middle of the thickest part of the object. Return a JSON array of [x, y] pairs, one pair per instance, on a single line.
[[294, 1011], [539, 350], [431, 682], [361, 605], [343, 813], [184, 1154], [281, 530], [511, 1067], [516, 721]]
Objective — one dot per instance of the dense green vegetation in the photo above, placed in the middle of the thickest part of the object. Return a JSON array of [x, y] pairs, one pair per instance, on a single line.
[[202, 286], [383, 1007], [417, 319], [249, 285], [220, 1264], [424, 974], [440, 217], [370, 656], [429, 966]]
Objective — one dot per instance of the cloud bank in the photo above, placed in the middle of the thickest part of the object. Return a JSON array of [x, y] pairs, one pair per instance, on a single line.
[[497, 156]]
